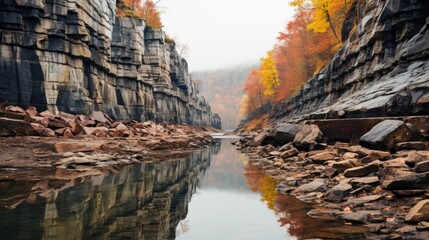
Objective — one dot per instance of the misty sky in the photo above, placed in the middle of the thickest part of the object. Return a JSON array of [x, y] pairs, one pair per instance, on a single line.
[[225, 33]]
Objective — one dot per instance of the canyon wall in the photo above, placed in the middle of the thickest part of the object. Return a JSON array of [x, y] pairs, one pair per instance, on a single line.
[[382, 69], [76, 56]]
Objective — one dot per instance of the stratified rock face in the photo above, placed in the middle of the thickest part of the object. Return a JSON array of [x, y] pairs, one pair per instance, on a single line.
[[381, 70], [77, 57]]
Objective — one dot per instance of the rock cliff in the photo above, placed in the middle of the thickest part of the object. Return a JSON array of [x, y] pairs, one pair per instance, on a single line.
[[382, 69], [76, 56]]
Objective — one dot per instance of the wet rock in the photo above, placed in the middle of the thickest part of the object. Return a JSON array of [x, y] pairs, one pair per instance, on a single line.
[[385, 135], [361, 171], [338, 192], [311, 187], [307, 137], [418, 213]]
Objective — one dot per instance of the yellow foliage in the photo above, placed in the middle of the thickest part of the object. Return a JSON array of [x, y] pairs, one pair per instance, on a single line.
[[269, 74]]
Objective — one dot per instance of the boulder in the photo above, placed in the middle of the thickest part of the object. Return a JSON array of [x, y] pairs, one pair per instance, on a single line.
[[307, 137], [361, 171], [418, 213], [282, 134], [385, 135]]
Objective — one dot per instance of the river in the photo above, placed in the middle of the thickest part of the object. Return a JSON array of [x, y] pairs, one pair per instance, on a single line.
[[212, 194]]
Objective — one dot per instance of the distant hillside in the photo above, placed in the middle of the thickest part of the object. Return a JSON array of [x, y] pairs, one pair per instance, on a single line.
[[223, 89]]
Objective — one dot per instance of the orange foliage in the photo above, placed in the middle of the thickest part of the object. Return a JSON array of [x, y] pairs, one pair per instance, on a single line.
[[301, 53], [302, 50], [138, 9]]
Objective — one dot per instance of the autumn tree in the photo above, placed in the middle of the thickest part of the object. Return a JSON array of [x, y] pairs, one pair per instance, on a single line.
[[254, 87], [143, 10], [269, 74]]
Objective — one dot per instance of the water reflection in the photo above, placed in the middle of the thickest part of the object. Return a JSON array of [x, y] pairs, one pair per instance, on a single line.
[[143, 201], [230, 200]]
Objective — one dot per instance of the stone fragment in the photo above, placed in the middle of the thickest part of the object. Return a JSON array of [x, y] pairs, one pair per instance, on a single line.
[[99, 117], [346, 164], [31, 111], [257, 140], [63, 147], [15, 109], [361, 171], [412, 146], [412, 181], [331, 172], [385, 135], [408, 193], [418, 213], [414, 158], [322, 157], [307, 136], [311, 187], [289, 153], [363, 200], [361, 216], [373, 181], [422, 166], [338, 192]]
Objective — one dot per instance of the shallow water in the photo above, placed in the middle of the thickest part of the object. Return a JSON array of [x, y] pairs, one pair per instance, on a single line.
[[212, 194]]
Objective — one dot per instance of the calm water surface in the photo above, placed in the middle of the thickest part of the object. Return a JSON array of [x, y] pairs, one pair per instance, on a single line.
[[212, 194]]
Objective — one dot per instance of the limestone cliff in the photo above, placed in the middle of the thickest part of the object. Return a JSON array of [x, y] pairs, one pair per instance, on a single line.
[[76, 56], [382, 69]]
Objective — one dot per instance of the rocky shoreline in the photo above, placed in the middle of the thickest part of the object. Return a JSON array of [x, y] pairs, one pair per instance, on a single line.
[[86, 145], [384, 188]]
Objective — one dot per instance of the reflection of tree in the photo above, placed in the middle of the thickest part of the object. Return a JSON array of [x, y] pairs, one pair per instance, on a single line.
[[292, 213]]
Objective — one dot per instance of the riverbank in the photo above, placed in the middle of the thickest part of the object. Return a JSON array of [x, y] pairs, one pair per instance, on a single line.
[[83, 145], [386, 191]]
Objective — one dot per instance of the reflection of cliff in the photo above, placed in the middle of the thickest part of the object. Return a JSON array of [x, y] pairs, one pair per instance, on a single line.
[[292, 213], [144, 201], [224, 168]]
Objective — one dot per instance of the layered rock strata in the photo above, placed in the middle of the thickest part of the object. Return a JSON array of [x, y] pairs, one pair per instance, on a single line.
[[382, 69], [77, 56]]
